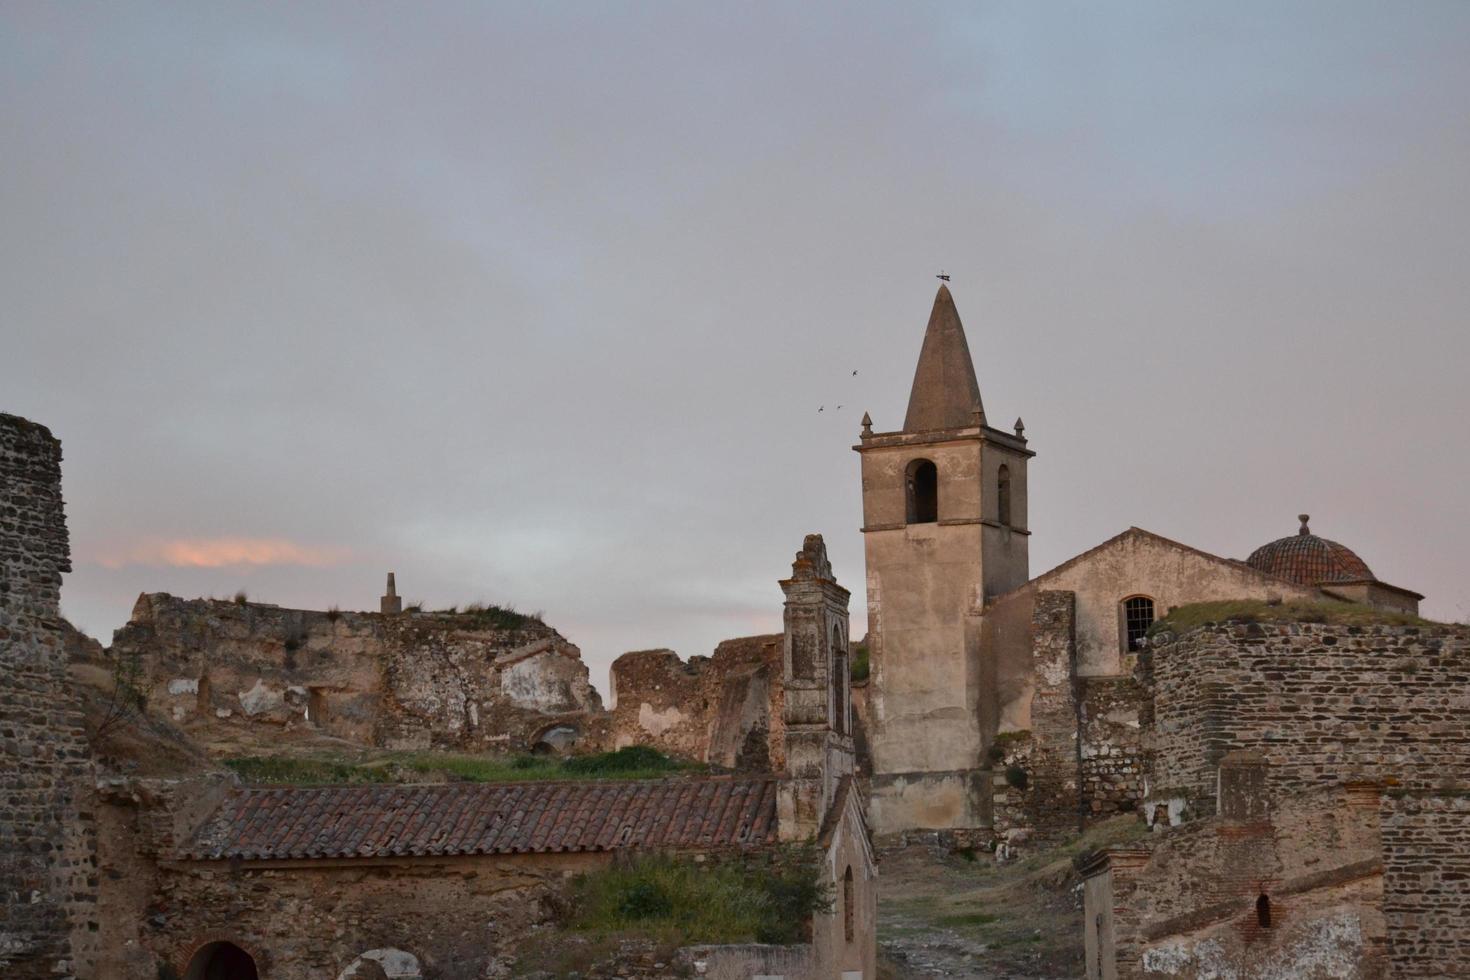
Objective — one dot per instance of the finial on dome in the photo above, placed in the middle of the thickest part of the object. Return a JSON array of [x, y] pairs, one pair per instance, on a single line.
[[1304, 518]]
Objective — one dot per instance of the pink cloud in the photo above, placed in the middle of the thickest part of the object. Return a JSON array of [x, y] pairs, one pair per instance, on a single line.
[[221, 553]]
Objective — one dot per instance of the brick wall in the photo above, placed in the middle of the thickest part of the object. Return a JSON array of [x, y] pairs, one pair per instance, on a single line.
[[1426, 882], [47, 843], [1320, 702]]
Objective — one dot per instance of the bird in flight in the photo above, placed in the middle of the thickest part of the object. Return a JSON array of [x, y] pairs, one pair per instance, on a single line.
[[942, 275], [824, 406], [854, 374]]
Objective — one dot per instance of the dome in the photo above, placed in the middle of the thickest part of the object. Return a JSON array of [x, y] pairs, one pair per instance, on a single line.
[[1307, 559]]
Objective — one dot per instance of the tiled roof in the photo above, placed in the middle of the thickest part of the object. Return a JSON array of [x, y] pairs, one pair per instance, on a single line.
[[1307, 559], [279, 823]]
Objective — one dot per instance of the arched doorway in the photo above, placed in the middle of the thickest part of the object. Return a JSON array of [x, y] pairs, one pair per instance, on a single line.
[[221, 961]]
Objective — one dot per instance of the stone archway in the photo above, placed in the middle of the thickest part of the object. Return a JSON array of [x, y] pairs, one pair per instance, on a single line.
[[221, 961]]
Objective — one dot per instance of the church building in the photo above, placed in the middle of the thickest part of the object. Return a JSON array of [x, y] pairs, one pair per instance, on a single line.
[[978, 670]]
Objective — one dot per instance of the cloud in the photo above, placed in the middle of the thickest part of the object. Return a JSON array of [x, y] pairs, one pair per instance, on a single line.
[[221, 553]]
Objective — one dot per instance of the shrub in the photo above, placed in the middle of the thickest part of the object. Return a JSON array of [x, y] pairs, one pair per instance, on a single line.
[[1017, 778], [720, 901], [860, 663], [333, 614], [241, 598], [634, 758]]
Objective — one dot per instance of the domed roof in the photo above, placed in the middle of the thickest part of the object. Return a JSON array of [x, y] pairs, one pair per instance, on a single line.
[[1307, 559]]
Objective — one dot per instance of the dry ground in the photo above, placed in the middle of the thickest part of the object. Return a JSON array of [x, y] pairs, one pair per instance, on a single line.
[[943, 914]]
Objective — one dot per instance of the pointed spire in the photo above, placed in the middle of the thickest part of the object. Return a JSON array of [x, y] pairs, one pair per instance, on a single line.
[[867, 426], [945, 393]]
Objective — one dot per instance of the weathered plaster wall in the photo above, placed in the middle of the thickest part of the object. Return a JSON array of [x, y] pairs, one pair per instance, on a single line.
[[1140, 563], [223, 670], [1186, 903], [47, 833], [837, 954], [724, 709], [1320, 702], [1426, 882]]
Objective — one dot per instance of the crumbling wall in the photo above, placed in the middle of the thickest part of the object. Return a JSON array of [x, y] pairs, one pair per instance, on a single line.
[[47, 836], [228, 670], [724, 709], [1034, 771], [1111, 751], [1295, 891], [458, 918], [1321, 702], [1426, 881]]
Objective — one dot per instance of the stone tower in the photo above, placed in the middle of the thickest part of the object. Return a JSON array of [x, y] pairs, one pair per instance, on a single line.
[[48, 847], [944, 529], [817, 713]]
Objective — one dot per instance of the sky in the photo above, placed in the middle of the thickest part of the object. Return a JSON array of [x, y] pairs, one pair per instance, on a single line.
[[536, 304]]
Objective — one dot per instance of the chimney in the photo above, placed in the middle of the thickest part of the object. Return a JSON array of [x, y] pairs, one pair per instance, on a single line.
[[391, 604]]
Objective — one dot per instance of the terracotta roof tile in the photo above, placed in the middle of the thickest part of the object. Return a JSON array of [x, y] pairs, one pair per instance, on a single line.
[[1309, 560], [277, 823]]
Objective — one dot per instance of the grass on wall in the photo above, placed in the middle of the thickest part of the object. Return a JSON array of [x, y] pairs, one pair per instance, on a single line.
[[637, 762], [1182, 619]]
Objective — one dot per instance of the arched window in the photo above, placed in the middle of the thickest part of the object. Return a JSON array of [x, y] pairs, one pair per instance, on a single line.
[[839, 683], [221, 961], [923, 492], [847, 906], [1138, 616], [1003, 495], [1263, 912]]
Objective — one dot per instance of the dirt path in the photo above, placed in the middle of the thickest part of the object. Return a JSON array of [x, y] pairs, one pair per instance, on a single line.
[[943, 914]]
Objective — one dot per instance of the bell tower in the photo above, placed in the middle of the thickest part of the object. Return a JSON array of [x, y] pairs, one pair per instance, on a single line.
[[944, 529]]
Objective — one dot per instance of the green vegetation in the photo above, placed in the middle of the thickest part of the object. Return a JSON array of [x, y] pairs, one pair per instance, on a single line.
[[633, 758], [967, 919], [1182, 619], [487, 615], [860, 665], [1016, 777], [637, 762], [679, 900]]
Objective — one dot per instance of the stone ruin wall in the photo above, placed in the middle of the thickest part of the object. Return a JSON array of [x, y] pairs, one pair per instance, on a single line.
[[1321, 702], [227, 670], [1184, 904], [1080, 758], [1426, 881], [47, 834], [1112, 749], [725, 710], [231, 673]]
